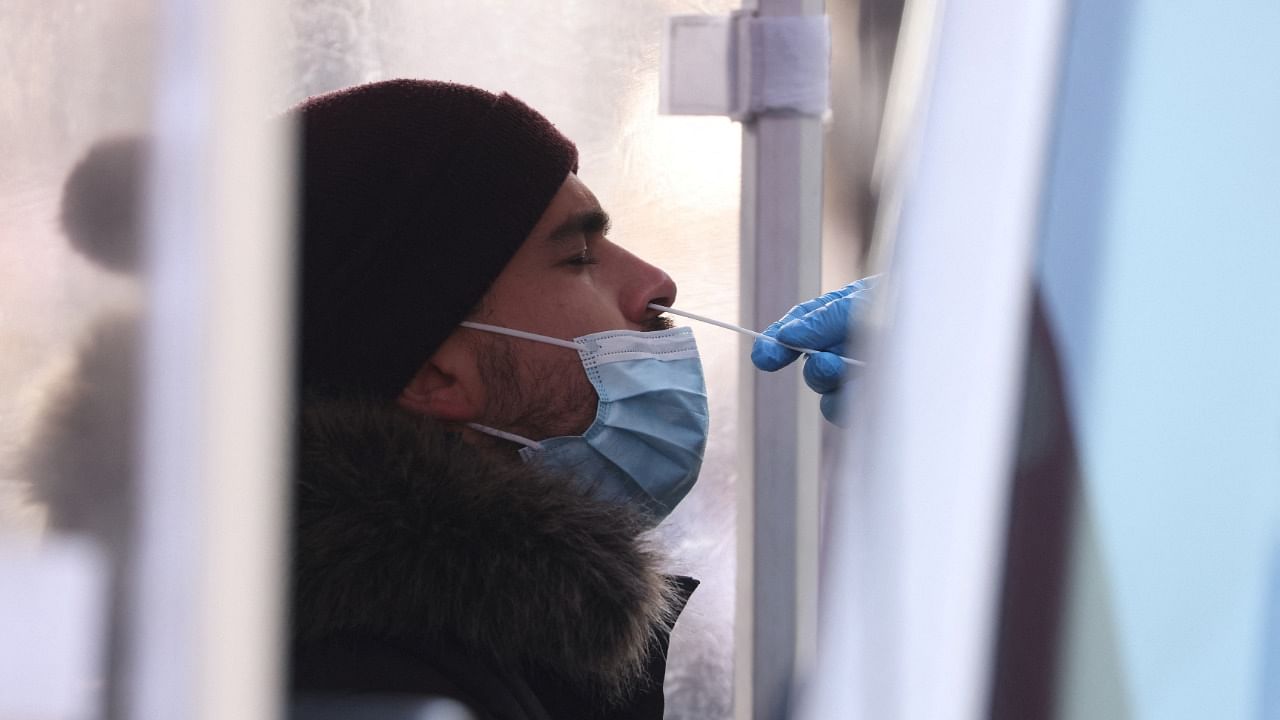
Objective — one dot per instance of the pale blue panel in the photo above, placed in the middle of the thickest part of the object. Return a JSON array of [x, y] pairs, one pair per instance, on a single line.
[[1161, 262], [1271, 661]]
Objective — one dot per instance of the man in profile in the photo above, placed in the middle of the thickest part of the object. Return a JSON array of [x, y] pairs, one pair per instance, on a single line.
[[491, 416]]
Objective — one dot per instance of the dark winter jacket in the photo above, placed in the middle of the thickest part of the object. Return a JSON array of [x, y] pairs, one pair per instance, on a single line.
[[425, 566]]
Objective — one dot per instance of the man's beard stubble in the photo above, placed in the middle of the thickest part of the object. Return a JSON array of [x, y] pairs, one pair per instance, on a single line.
[[662, 322], [538, 403]]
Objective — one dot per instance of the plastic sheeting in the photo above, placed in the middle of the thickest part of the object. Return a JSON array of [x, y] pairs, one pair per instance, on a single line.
[[75, 77], [74, 74], [77, 73]]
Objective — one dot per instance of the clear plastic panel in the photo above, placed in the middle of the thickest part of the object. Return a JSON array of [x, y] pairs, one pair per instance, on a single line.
[[80, 74], [74, 86]]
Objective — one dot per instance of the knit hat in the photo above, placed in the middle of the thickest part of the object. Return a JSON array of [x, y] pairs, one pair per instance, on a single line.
[[415, 195]]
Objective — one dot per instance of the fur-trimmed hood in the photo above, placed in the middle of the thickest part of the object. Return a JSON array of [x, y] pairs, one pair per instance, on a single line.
[[403, 530]]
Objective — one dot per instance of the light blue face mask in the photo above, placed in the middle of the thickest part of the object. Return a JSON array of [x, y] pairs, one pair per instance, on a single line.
[[650, 431]]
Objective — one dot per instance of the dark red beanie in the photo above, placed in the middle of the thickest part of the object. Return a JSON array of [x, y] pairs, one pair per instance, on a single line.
[[415, 194]]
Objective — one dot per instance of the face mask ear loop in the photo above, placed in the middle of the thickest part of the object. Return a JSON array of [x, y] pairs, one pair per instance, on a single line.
[[521, 334], [503, 435]]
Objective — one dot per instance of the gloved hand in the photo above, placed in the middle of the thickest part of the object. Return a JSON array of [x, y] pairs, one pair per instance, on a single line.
[[819, 324]]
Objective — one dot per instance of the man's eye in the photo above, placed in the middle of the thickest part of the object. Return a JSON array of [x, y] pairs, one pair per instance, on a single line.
[[583, 258]]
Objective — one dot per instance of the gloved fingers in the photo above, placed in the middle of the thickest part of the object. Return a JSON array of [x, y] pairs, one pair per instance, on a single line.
[[867, 283], [809, 306], [823, 372], [768, 355], [771, 356], [824, 328], [827, 327], [832, 405], [821, 324]]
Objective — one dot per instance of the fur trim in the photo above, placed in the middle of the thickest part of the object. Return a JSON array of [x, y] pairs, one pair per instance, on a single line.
[[405, 531]]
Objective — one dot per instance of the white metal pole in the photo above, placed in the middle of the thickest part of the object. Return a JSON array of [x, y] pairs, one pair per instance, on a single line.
[[211, 535], [779, 421]]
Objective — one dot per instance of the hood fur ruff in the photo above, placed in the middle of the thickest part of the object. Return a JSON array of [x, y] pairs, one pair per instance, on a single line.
[[405, 531]]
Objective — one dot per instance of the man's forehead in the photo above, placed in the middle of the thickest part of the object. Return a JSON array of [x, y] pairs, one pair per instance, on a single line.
[[574, 211]]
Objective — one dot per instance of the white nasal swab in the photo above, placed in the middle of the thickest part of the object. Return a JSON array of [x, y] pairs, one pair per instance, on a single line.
[[744, 331]]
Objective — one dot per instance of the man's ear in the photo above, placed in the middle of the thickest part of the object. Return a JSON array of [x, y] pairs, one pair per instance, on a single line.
[[439, 392]]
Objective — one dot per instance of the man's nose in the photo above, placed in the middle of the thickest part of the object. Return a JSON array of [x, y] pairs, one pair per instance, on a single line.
[[647, 284]]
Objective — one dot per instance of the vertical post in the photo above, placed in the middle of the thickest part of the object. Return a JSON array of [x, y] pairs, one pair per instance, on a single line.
[[208, 600], [779, 424]]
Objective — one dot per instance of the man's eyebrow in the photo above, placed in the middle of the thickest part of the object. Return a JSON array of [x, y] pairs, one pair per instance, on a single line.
[[588, 222]]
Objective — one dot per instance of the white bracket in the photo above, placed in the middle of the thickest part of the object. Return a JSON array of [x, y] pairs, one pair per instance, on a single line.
[[742, 65]]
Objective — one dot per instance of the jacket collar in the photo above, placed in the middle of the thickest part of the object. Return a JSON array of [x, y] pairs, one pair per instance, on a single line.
[[403, 530]]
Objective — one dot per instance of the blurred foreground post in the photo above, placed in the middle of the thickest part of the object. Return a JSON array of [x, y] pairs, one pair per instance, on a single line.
[[217, 363]]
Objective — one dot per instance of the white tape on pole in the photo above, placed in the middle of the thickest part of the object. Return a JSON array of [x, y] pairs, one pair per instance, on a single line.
[[743, 65], [790, 64]]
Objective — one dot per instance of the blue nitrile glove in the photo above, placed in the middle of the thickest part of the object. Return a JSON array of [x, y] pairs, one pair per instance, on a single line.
[[820, 324]]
